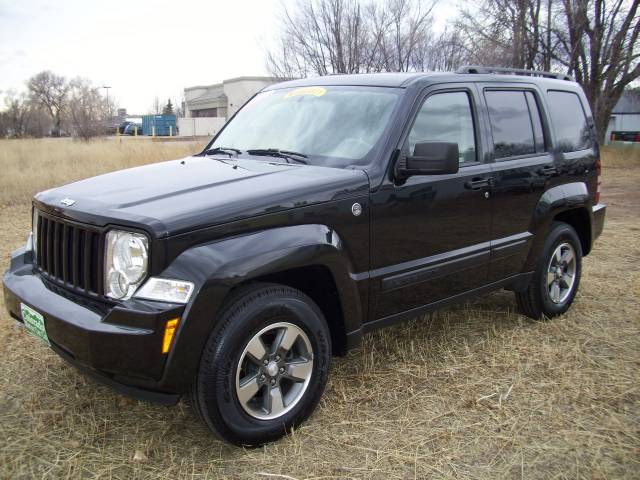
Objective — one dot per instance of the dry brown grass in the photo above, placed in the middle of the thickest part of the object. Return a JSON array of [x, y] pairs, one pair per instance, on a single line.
[[30, 166], [622, 155], [474, 391]]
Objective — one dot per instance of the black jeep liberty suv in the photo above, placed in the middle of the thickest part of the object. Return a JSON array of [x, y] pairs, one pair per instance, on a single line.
[[325, 208]]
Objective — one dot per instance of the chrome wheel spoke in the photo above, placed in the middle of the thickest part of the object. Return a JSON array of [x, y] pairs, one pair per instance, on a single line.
[[551, 276], [557, 255], [286, 338], [566, 281], [567, 256], [248, 389], [275, 401], [256, 349], [299, 371], [555, 292]]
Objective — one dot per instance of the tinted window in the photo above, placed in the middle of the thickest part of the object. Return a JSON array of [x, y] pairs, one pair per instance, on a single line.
[[569, 121], [510, 123], [446, 117]]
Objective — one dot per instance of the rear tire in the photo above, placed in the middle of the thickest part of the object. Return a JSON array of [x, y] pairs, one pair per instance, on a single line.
[[557, 275], [264, 367]]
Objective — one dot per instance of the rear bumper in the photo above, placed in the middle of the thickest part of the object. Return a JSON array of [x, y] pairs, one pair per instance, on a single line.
[[120, 345], [598, 213]]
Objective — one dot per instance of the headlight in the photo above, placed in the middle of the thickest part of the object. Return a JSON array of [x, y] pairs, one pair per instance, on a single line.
[[166, 290], [125, 263]]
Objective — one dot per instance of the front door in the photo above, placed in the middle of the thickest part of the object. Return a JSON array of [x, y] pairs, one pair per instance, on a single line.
[[430, 235]]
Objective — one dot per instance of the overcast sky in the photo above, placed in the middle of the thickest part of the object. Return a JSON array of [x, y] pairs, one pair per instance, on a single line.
[[140, 48]]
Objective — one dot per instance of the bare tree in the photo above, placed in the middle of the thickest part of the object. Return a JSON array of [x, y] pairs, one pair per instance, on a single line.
[[50, 91], [595, 41], [88, 109], [508, 33], [443, 52], [16, 114], [598, 45], [410, 26], [40, 122], [323, 37]]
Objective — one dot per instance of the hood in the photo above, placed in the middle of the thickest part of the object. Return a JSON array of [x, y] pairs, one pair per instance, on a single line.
[[178, 196]]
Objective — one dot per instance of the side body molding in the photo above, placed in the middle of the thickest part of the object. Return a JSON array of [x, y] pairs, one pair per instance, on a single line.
[[555, 200], [217, 267]]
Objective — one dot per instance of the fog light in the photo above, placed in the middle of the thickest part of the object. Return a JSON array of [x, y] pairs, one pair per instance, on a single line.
[[169, 332], [166, 290]]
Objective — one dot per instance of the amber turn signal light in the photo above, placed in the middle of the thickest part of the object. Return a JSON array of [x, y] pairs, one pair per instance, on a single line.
[[169, 332]]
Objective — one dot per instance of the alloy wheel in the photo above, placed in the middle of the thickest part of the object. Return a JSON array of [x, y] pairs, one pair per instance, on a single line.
[[274, 371], [561, 273]]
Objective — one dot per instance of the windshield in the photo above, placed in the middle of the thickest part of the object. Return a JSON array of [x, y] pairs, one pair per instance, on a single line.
[[333, 126]]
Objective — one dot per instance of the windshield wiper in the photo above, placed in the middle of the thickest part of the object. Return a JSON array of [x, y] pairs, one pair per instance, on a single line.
[[225, 150], [274, 152]]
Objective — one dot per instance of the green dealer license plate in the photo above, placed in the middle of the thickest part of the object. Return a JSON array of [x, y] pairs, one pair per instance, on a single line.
[[34, 321]]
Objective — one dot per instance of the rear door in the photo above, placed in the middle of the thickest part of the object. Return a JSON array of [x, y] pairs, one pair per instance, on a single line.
[[523, 168], [430, 234]]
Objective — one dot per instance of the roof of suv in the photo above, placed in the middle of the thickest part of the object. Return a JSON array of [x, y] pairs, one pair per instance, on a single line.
[[363, 79], [401, 80]]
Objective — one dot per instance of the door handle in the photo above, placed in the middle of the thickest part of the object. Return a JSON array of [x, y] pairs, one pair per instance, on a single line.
[[476, 183], [548, 170]]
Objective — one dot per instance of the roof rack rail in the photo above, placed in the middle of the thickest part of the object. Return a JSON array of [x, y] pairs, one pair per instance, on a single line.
[[513, 71]]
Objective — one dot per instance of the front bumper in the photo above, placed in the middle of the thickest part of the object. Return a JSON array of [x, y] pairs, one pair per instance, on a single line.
[[119, 344]]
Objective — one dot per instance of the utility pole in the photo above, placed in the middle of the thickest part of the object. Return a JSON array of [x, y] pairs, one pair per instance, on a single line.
[[109, 113], [106, 87]]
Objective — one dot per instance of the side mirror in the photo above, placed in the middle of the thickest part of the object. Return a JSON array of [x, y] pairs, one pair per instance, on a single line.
[[430, 158]]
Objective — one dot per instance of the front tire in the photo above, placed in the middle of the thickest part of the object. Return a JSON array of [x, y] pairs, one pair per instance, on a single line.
[[557, 276], [264, 366]]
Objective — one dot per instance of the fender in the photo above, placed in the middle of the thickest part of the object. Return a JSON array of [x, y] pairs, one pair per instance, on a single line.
[[217, 267], [558, 199]]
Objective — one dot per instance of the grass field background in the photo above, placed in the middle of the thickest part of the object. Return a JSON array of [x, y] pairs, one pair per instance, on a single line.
[[473, 391]]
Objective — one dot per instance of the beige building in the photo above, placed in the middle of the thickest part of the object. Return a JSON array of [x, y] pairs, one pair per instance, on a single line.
[[223, 99], [207, 107]]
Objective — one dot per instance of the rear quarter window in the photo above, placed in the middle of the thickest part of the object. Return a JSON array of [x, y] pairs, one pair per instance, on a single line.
[[569, 121]]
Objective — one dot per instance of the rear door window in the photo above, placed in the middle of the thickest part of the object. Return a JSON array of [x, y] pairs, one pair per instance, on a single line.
[[511, 123], [569, 121]]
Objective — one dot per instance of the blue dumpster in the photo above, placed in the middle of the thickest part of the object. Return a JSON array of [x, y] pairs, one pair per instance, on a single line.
[[165, 125]]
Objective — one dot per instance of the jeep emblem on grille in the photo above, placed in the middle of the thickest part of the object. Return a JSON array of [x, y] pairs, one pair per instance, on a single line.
[[67, 202]]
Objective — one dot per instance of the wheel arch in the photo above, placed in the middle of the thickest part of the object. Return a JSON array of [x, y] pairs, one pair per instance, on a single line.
[[317, 282], [290, 256], [579, 219], [569, 203]]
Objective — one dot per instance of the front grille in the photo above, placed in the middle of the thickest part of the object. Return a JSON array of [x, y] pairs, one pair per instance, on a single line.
[[69, 254]]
